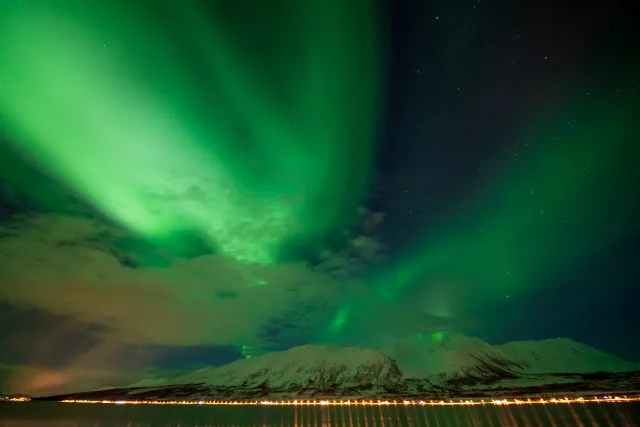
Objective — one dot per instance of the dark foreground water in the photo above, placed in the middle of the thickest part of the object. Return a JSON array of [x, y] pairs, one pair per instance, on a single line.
[[37, 414]]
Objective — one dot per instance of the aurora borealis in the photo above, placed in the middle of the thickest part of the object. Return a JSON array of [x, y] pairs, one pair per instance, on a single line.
[[252, 151], [558, 199], [184, 184]]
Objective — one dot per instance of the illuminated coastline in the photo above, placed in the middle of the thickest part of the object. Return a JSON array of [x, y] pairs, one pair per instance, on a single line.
[[468, 402], [16, 399]]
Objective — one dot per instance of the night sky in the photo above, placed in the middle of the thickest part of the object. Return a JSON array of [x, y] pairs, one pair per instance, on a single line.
[[189, 183]]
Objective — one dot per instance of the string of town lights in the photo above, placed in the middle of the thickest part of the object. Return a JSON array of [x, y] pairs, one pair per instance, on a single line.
[[495, 402], [468, 402]]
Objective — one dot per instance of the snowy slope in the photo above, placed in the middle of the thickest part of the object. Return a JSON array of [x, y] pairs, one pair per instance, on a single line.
[[454, 358], [316, 367], [562, 355]]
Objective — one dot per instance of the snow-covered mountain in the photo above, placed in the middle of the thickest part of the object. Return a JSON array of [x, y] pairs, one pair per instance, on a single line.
[[458, 365], [460, 357], [456, 358], [562, 355], [305, 367]]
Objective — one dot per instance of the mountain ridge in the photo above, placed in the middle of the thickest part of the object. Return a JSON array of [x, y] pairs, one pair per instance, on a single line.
[[460, 365]]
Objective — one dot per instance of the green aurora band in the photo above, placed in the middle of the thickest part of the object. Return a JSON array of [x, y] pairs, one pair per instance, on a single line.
[[245, 131], [565, 195]]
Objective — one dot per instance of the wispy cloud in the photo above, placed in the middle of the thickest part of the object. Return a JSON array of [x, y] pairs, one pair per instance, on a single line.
[[64, 265]]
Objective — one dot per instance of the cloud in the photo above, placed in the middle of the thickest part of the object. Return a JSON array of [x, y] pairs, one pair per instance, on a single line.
[[362, 251], [79, 272], [369, 220], [66, 265], [36, 381]]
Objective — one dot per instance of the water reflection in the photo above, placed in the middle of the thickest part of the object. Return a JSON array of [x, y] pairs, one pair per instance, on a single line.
[[58, 415]]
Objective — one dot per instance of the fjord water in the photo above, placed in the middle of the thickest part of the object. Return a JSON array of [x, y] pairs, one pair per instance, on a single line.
[[41, 414]]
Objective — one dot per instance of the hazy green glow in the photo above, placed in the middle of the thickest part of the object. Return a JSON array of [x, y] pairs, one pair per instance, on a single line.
[[246, 351], [339, 320], [564, 195], [436, 336], [241, 123]]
